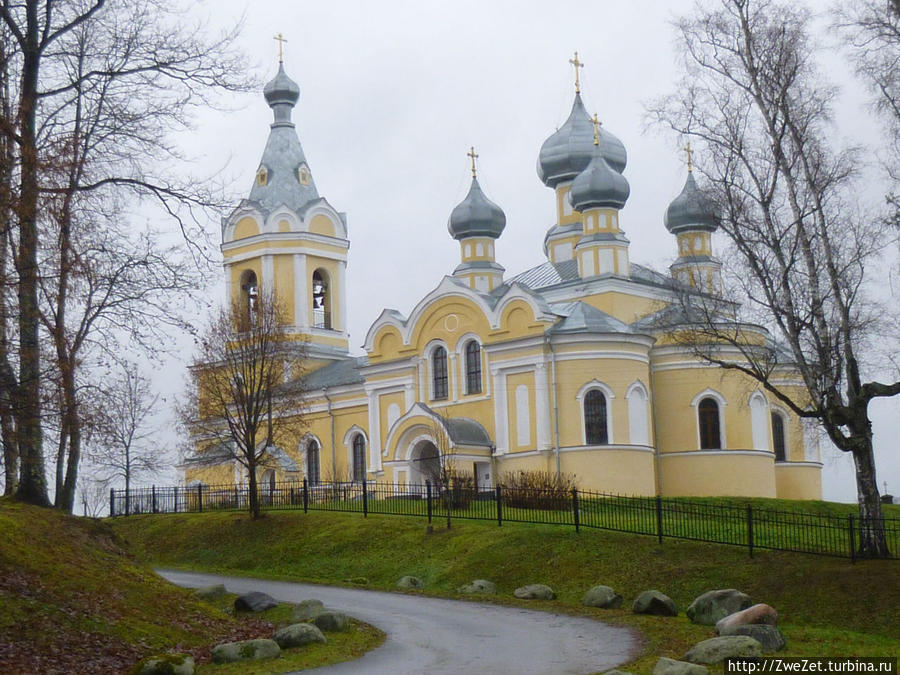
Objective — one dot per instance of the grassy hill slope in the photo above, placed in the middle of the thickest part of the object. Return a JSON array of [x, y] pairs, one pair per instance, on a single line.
[[827, 606]]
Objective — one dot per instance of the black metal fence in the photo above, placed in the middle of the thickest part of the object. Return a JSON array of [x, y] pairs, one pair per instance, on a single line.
[[675, 518]]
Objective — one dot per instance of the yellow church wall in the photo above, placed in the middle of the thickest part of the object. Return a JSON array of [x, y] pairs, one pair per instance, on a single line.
[[384, 403], [245, 227], [509, 464], [519, 442], [518, 320], [218, 474], [717, 473], [448, 319], [321, 224], [565, 214], [624, 307], [283, 267], [387, 345], [267, 244], [611, 470], [238, 269], [284, 226], [798, 480]]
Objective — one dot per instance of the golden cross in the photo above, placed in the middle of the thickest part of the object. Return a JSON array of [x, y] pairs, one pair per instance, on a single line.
[[690, 156], [281, 40], [596, 123], [578, 64], [471, 153]]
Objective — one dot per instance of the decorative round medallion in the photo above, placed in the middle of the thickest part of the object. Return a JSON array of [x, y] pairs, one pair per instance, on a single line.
[[451, 323]]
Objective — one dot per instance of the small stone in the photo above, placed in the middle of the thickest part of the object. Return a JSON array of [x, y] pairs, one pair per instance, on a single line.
[[254, 602], [717, 649], [760, 613], [306, 610], [603, 597], [210, 592], [331, 621], [248, 650], [535, 592], [771, 639], [297, 635], [165, 664], [666, 666], [409, 582], [708, 608], [478, 586], [656, 603]]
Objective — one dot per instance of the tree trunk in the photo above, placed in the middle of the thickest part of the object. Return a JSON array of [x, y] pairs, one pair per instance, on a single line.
[[872, 540], [254, 496], [73, 427]]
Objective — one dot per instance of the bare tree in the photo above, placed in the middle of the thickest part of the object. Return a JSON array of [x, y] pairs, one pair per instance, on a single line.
[[247, 387], [752, 98]]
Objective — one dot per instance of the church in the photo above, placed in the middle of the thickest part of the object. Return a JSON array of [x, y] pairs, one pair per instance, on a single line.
[[566, 368]]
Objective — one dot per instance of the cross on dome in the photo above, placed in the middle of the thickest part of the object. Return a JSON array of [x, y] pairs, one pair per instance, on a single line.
[[690, 156], [471, 153], [281, 40], [578, 64]]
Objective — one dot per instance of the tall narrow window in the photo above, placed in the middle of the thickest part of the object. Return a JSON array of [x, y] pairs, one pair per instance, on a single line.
[[249, 297], [312, 463], [779, 446], [708, 418], [359, 458], [473, 367], [321, 300], [595, 428], [439, 373]]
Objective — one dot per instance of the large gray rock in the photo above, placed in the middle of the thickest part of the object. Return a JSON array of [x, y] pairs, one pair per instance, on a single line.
[[331, 621], [165, 664], [210, 592], [306, 610], [254, 602], [760, 613], [708, 608], [297, 635], [654, 602], [603, 597], [534, 592], [769, 637], [409, 582], [667, 666], [478, 586], [717, 649], [248, 650], [614, 671]]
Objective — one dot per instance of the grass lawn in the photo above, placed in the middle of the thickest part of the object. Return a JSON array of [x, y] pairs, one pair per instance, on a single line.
[[827, 606]]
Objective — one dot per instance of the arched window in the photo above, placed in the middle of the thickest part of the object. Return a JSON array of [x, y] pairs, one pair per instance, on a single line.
[[321, 298], [359, 458], [595, 429], [439, 373], [473, 367], [249, 296], [708, 419], [778, 437], [312, 463]]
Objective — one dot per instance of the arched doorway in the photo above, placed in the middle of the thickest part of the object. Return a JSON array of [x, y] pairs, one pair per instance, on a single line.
[[425, 463], [267, 486]]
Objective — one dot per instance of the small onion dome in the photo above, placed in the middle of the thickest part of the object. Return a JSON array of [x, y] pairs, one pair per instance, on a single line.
[[599, 186], [281, 89], [476, 216], [568, 151], [691, 210]]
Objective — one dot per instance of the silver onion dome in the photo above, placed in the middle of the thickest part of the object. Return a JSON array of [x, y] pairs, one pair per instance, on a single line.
[[598, 185], [476, 216], [692, 209], [568, 151]]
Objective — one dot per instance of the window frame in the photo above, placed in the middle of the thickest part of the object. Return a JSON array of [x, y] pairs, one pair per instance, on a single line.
[[440, 373], [474, 372], [358, 455]]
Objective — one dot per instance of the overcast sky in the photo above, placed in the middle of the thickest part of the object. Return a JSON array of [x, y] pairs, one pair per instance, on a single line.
[[393, 94]]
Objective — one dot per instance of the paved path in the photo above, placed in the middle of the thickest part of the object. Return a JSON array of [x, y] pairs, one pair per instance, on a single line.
[[435, 636]]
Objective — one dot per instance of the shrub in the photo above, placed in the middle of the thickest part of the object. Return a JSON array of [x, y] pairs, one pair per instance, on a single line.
[[538, 490]]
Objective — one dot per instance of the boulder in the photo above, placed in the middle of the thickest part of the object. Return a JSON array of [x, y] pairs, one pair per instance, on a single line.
[[654, 602], [672, 667], [248, 650], [617, 672], [534, 592], [210, 592], [478, 586], [297, 635], [717, 649], [254, 602], [769, 637], [165, 664], [408, 582], [708, 608], [603, 597], [760, 613], [331, 621], [306, 610]]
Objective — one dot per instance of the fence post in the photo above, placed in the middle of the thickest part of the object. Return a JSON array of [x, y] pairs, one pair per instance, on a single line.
[[499, 506], [365, 499], [175, 499], [200, 497], [305, 495], [852, 541], [575, 509], [428, 499], [750, 529], [659, 529], [153, 498], [112, 502]]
